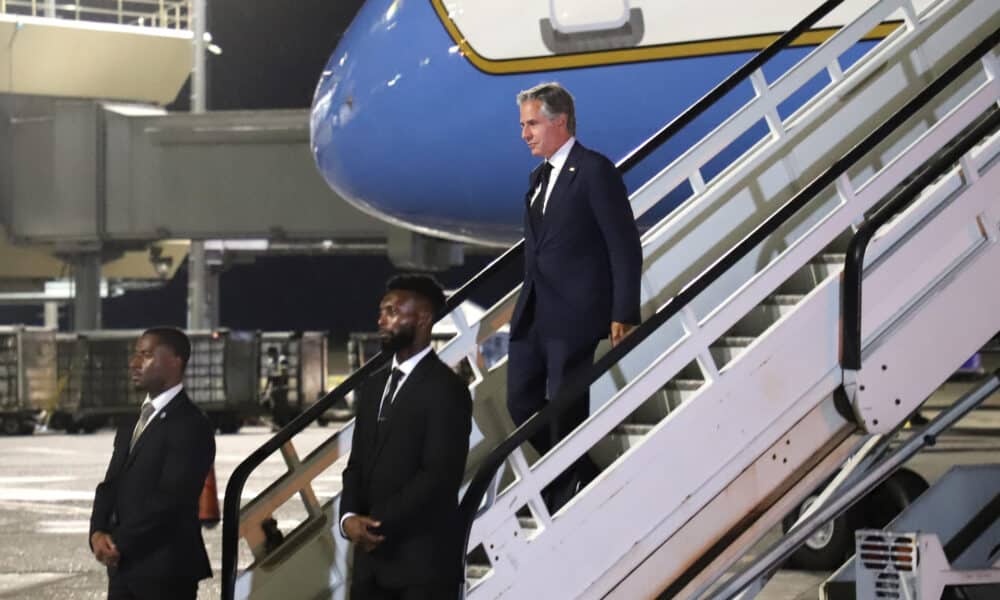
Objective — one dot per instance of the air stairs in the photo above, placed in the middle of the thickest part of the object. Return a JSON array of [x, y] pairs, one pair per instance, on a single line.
[[722, 419]]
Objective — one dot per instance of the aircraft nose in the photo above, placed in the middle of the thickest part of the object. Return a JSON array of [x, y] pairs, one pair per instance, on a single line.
[[394, 123]]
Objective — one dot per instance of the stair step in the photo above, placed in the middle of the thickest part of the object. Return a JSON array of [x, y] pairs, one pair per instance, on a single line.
[[659, 405], [617, 443], [685, 385], [813, 273], [477, 571], [766, 314], [785, 299], [837, 258], [728, 347], [633, 429]]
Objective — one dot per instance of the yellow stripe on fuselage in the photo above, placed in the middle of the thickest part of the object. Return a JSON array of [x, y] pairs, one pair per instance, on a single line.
[[639, 54]]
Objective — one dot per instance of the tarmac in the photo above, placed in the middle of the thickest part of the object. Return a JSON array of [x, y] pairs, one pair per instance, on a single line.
[[47, 482]]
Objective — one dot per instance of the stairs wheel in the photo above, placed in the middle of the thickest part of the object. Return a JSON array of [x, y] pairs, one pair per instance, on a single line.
[[890, 498], [826, 549]]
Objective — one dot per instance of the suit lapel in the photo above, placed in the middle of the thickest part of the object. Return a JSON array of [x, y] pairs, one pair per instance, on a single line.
[[155, 425], [559, 188], [533, 181], [405, 394]]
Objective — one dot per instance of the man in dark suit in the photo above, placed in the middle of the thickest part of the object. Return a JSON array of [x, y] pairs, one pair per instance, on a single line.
[[399, 503], [144, 525], [582, 266]]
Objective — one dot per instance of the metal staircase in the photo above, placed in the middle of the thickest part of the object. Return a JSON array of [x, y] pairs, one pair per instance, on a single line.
[[729, 404]]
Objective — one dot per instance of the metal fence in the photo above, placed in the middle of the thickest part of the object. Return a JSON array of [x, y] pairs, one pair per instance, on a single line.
[[166, 14]]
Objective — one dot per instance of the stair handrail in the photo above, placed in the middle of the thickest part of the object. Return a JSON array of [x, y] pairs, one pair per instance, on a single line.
[[240, 475], [576, 386], [850, 327], [854, 262]]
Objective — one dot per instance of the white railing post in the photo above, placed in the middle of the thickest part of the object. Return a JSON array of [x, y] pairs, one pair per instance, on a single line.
[[120, 12], [764, 95], [34, 8], [3, 6]]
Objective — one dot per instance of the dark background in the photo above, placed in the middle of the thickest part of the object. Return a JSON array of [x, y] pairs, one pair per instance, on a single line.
[[273, 53]]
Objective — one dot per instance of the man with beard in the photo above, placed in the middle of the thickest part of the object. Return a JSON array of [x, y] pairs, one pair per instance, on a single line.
[[399, 503], [144, 526]]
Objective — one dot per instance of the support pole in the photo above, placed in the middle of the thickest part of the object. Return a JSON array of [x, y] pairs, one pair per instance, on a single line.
[[87, 291], [203, 282]]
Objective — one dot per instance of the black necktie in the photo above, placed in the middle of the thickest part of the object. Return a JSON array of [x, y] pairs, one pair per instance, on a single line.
[[386, 410], [538, 204]]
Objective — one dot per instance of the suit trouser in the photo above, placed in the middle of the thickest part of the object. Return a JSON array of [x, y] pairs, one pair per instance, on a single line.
[[152, 589], [370, 590], [536, 368]]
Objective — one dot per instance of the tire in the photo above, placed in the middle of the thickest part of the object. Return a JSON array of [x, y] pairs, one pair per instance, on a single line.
[[889, 499], [27, 427], [91, 424], [228, 423], [322, 421], [11, 425], [828, 548]]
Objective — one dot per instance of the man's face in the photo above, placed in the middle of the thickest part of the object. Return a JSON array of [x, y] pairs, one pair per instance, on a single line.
[[399, 314], [543, 136], [153, 365]]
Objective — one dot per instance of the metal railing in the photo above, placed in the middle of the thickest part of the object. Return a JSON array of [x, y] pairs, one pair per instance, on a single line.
[[163, 14], [575, 387]]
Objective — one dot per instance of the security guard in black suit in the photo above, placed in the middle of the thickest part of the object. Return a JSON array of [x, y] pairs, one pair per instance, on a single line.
[[144, 525], [399, 503]]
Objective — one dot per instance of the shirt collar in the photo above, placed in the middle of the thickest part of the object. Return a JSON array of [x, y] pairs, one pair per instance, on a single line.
[[558, 159], [165, 397], [408, 365]]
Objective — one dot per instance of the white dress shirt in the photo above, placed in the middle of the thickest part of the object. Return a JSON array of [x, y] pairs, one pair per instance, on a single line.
[[557, 160], [161, 401], [406, 367]]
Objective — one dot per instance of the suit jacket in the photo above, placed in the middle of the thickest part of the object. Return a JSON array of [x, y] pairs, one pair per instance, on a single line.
[[407, 476], [148, 500], [583, 266]]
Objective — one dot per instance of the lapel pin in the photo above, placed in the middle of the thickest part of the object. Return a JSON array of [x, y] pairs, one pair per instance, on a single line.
[[572, 169], [163, 415]]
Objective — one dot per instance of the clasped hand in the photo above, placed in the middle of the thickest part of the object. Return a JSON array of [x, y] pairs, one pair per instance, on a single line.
[[104, 549], [359, 529]]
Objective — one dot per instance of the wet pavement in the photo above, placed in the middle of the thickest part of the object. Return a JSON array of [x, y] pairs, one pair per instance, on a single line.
[[47, 482]]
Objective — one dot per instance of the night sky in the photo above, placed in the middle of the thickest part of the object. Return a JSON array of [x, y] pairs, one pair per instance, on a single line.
[[273, 53]]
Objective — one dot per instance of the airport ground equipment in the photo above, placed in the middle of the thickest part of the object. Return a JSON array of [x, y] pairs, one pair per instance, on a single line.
[[962, 510], [750, 380], [967, 494], [306, 356], [95, 386], [913, 566], [27, 377]]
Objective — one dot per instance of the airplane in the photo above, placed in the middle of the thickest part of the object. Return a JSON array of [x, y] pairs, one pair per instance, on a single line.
[[414, 119]]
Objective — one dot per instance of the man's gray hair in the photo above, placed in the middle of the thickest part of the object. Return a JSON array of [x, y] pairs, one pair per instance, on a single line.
[[555, 99]]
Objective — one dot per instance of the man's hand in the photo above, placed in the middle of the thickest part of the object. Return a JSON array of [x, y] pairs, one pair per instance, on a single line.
[[359, 529], [619, 331], [104, 549]]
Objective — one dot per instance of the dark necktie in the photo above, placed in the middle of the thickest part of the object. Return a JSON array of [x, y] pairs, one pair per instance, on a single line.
[[538, 204], [385, 412], [144, 415]]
